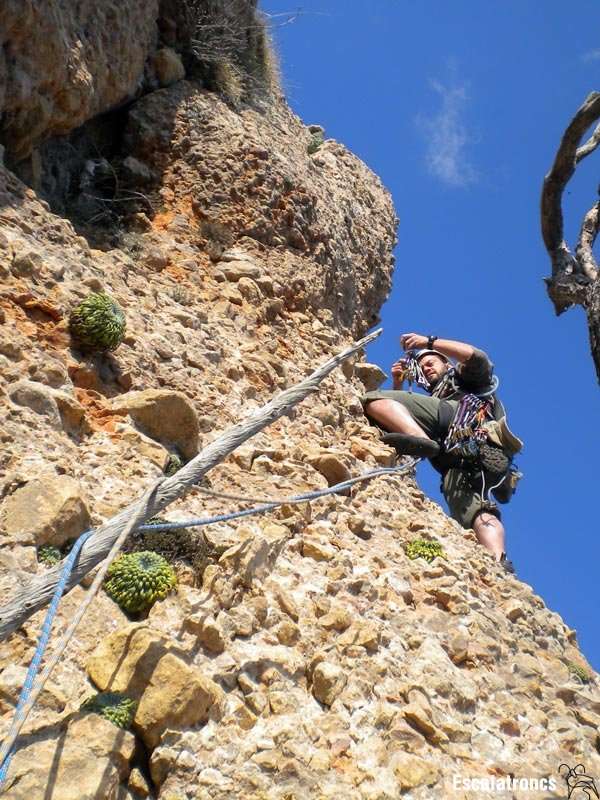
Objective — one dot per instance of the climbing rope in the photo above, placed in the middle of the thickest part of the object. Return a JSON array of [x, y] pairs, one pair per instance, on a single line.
[[32, 687], [270, 504]]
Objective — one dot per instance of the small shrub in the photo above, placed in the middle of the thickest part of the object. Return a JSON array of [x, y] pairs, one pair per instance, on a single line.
[[228, 82], [135, 581], [216, 233], [180, 545], [98, 323], [173, 465], [289, 184], [116, 707], [579, 671], [316, 142], [423, 548], [182, 295], [49, 555], [231, 45]]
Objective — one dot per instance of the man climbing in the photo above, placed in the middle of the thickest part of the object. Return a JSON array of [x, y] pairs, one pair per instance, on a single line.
[[461, 427]]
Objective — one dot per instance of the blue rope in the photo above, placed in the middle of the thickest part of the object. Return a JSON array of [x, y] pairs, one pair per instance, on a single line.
[[44, 637], [339, 487], [70, 561]]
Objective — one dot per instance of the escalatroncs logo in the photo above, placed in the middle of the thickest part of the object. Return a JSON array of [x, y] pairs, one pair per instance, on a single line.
[[580, 785]]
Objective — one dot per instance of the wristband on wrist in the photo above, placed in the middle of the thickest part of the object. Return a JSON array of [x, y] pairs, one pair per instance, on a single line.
[[430, 341]]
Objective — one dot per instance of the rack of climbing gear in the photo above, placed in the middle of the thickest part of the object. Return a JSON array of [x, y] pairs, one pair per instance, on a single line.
[[466, 434]]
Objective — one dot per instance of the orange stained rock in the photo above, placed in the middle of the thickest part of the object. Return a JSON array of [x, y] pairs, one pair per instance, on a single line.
[[100, 417]]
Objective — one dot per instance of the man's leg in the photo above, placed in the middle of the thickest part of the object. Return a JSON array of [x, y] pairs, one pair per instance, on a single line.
[[490, 533], [410, 419], [463, 495], [394, 417], [403, 412]]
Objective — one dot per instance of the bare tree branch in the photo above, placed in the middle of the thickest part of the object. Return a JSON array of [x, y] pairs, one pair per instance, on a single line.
[[589, 147], [587, 237], [575, 278], [555, 181], [291, 17], [39, 591]]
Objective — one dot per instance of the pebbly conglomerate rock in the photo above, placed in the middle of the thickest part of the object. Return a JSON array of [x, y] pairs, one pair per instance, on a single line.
[[314, 659]]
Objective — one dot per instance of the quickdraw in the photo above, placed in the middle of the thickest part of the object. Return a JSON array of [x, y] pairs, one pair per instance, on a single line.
[[466, 434], [412, 372]]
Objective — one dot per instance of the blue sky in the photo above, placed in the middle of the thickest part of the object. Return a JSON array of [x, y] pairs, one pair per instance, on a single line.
[[459, 107]]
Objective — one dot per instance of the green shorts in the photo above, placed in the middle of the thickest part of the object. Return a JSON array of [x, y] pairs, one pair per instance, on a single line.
[[423, 408], [463, 491], [465, 496]]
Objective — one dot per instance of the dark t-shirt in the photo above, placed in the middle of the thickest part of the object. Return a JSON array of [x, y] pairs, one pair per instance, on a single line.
[[475, 376]]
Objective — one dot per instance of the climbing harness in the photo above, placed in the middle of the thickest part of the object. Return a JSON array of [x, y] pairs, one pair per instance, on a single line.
[[32, 687]]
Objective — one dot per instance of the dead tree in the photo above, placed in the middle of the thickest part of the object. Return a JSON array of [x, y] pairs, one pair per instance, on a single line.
[[575, 279]]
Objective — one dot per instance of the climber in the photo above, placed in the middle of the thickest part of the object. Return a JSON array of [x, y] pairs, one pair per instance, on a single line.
[[461, 428]]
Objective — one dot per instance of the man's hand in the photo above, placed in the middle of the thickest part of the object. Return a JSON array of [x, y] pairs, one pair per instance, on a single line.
[[399, 372], [413, 341]]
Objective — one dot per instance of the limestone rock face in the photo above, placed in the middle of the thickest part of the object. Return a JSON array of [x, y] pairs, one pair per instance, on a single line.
[[63, 63], [304, 654], [38, 398], [84, 758], [327, 223], [48, 509], [149, 668], [328, 682], [164, 415]]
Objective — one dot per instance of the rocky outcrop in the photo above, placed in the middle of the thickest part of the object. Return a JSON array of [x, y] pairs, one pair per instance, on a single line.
[[64, 63], [324, 220], [314, 658], [48, 509], [149, 668]]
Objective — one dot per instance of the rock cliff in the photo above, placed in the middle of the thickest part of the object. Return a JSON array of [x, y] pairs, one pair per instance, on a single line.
[[313, 658]]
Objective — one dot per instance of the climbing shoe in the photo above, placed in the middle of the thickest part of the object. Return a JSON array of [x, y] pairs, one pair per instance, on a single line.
[[493, 459], [406, 445], [506, 565]]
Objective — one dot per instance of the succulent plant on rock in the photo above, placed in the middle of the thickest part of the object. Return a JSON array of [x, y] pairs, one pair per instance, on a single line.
[[137, 580], [173, 464], [48, 554], [116, 707], [98, 322], [423, 548], [581, 672]]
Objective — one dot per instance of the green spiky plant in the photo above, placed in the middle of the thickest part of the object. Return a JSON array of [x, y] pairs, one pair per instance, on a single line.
[[579, 671], [137, 580], [98, 323], [116, 707], [423, 548], [49, 555]]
